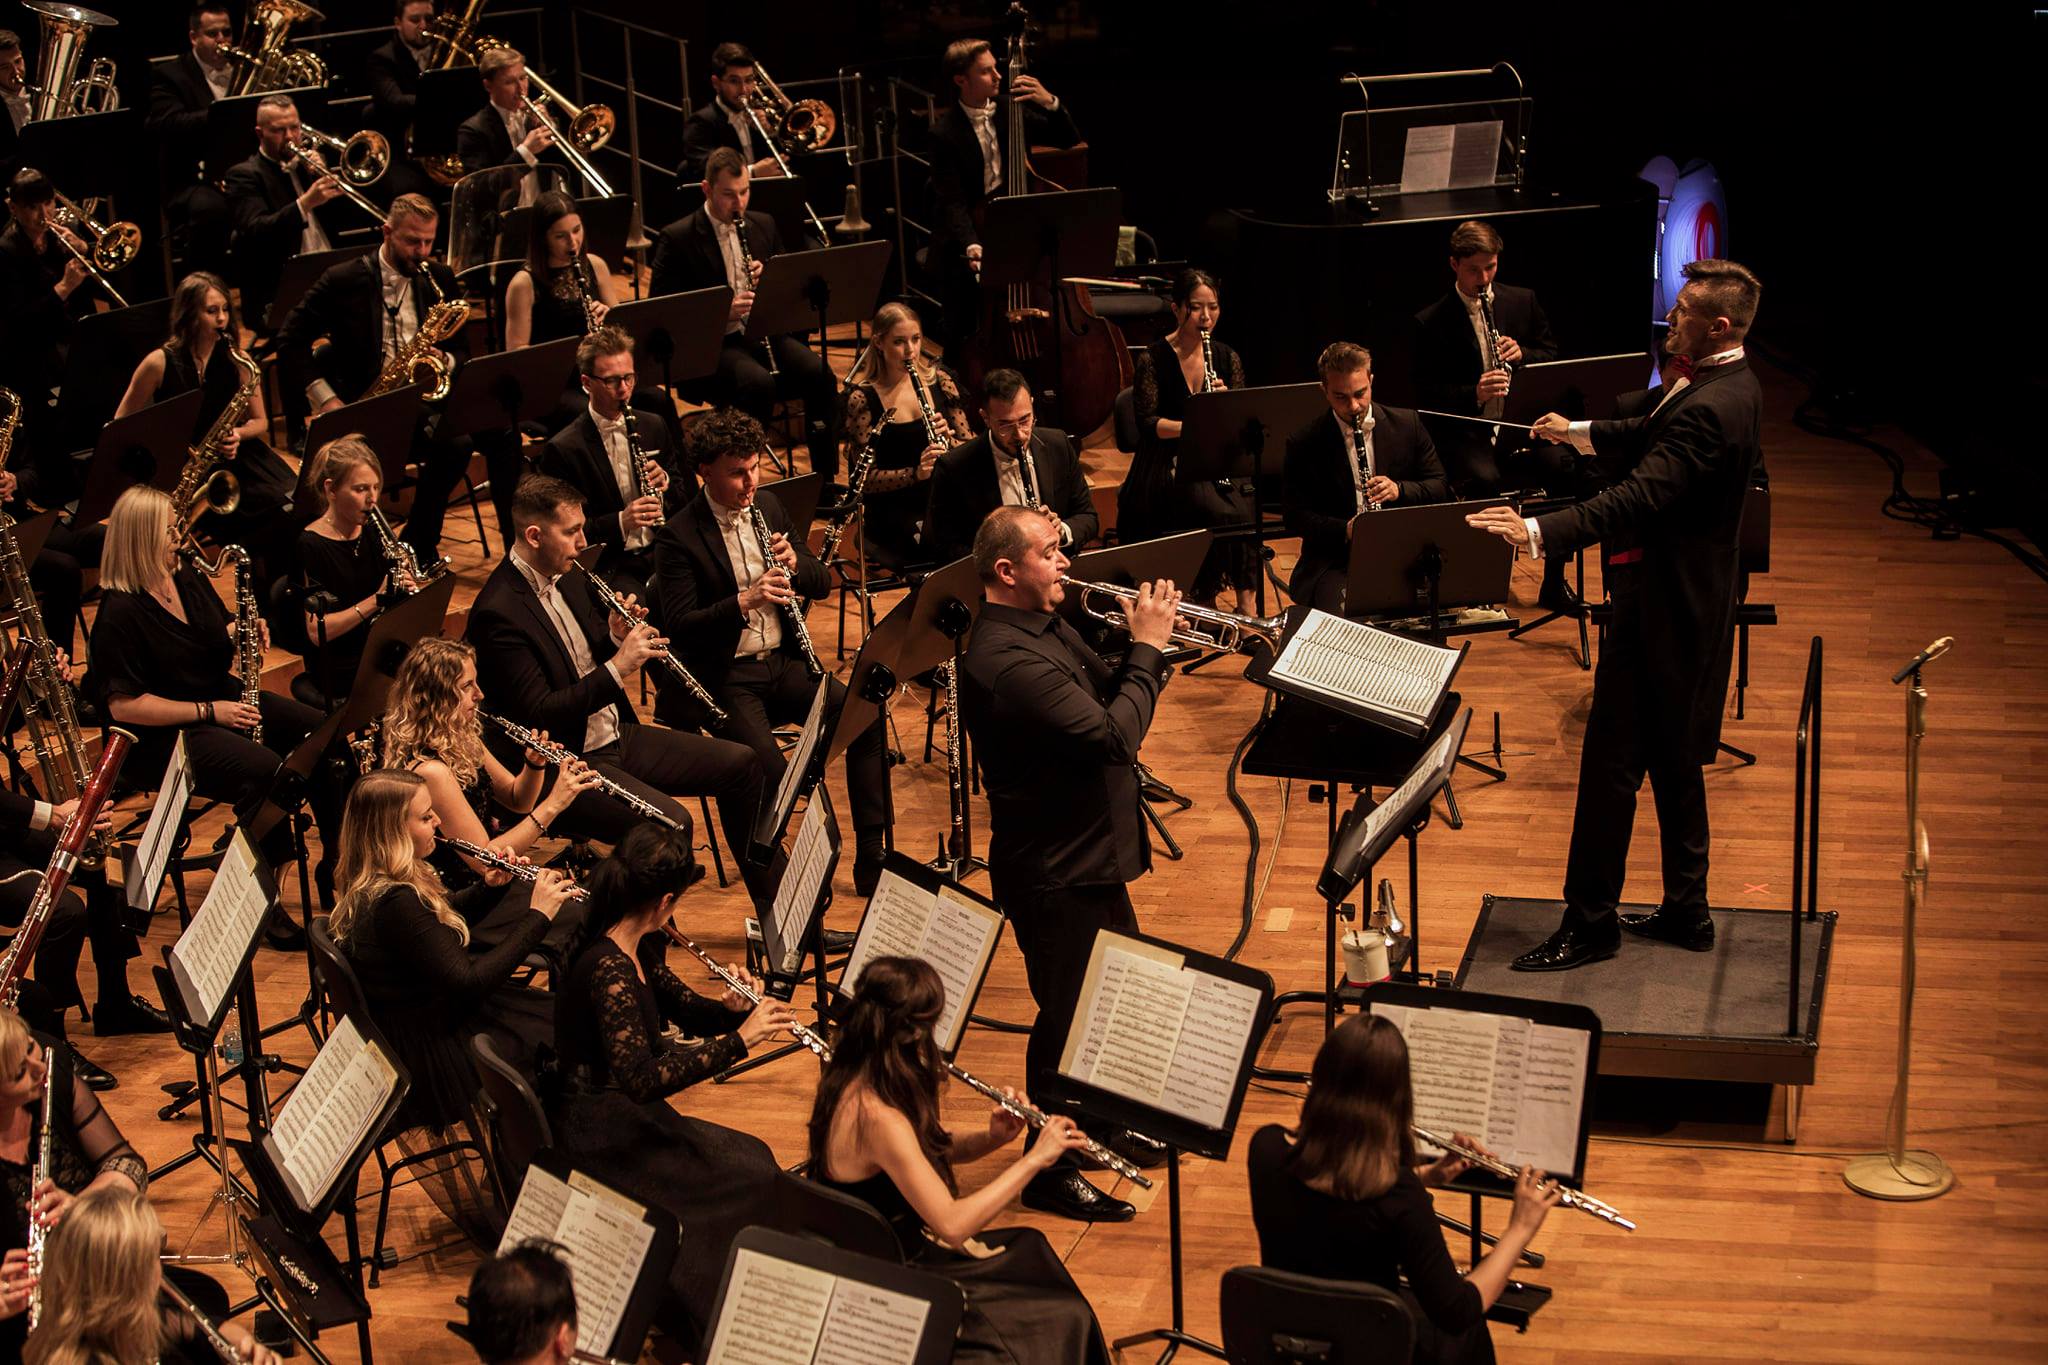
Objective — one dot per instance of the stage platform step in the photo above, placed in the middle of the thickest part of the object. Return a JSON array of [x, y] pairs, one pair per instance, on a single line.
[[1717, 1016]]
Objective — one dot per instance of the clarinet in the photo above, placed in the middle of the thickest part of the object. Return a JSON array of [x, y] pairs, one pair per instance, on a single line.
[[953, 850], [525, 872], [46, 1155], [1577, 1199], [1036, 1117], [739, 237], [557, 755], [1029, 468], [807, 1037], [579, 274], [1364, 459], [932, 435], [617, 606], [793, 609], [857, 472], [208, 1329], [1493, 360], [1208, 365], [249, 638], [639, 462]]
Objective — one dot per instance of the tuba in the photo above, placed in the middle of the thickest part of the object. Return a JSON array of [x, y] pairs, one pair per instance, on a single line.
[[59, 89], [265, 64], [204, 486], [794, 125]]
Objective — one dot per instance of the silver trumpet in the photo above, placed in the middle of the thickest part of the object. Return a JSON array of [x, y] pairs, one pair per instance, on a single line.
[[1036, 1117], [1576, 1199], [1211, 629], [617, 607], [808, 1037], [525, 872], [557, 755], [792, 610]]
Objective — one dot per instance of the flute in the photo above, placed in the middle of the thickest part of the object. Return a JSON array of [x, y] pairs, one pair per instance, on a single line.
[[229, 1353], [1493, 1165], [1036, 1117], [525, 872], [557, 755], [807, 1037]]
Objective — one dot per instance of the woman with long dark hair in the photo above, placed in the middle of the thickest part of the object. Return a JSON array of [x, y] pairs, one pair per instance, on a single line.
[[618, 1067], [543, 300], [875, 1134], [1344, 1196]]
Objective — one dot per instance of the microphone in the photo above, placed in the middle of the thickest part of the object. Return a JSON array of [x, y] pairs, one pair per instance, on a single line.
[[1925, 657]]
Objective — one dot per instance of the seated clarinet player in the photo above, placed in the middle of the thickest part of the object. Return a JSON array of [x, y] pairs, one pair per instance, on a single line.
[[875, 1134], [1015, 463], [1343, 1195], [893, 417], [279, 202], [723, 243], [620, 460], [348, 576], [734, 581]]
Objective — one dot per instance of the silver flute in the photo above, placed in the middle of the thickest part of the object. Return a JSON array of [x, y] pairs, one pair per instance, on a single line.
[[616, 605], [792, 610], [1577, 1199], [640, 463], [46, 1153], [208, 1329], [557, 755], [525, 872], [1037, 1118], [807, 1037]]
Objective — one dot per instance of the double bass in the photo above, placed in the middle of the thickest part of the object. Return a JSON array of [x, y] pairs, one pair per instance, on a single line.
[[1052, 334]]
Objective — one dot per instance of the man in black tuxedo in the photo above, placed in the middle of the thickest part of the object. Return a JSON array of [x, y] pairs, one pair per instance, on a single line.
[[393, 71], [1056, 731], [15, 104], [1451, 376], [278, 211], [366, 309], [968, 157], [551, 657], [503, 132], [1672, 525], [179, 93], [1331, 482], [724, 243], [733, 613], [591, 456], [726, 122], [1014, 464]]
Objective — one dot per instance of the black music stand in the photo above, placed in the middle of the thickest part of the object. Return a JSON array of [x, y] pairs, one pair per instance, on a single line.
[[84, 150], [231, 124], [386, 422], [498, 392], [929, 880], [607, 223], [148, 446], [443, 100], [1419, 560], [786, 199], [878, 670], [943, 1299], [1041, 239], [675, 336], [105, 349], [1241, 434], [799, 495], [941, 611], [1579, 389], [799, 290], [809, 937], [299, 275]]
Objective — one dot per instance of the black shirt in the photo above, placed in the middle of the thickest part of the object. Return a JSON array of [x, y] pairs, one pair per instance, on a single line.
[[348, 571], [139, 648]]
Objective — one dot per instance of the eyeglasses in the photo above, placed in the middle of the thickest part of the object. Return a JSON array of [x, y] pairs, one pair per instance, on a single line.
[[1015, 424], [612, 381]]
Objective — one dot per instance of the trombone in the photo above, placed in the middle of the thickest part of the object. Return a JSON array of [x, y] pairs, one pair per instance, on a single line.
[[589, 129], [1211, 629], [114, 246], [362, 160]]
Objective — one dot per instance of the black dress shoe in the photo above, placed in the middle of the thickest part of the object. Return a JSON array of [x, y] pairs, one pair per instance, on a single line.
[[1690, 930], [1568, 948], [1560, 598], [867, 869], [1137, 1149], [92, 1073], [1066, 1192], [133, 1015]]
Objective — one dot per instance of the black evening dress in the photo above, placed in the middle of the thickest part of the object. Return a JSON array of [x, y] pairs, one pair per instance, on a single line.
[[268, 484], [1153, 502], [347, 571], [1376, 1240], [891, 515], [610, 1115], [1022, 1305]]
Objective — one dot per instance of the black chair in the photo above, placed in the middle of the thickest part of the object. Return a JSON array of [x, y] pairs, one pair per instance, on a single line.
[[514, 1123], [1275, 1317], [336, 979], [805, 1208]]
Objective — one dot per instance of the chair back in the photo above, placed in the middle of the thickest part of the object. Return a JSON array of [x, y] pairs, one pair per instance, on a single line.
[[806, 1208], [1126, 421], [335, 977], [516, 1126], [1275, 1317]]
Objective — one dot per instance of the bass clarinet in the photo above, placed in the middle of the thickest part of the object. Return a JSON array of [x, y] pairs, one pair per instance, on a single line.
[[1493, 1165], [616, 605], [64, 861], [793, 610], [1036, 1117], [557, 755], [807, 1037], [525, 872]]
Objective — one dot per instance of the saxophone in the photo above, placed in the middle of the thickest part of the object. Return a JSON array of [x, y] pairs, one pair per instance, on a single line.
[[48, 703], [204, 486], [421, 351]]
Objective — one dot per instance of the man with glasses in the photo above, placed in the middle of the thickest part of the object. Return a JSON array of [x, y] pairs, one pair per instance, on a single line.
[[725, 122], [1016, 464]]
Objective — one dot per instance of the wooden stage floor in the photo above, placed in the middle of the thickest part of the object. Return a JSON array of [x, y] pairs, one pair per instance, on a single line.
[[1748, 1248]]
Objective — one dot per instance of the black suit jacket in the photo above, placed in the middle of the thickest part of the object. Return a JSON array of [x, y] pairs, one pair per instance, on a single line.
[[576, 456], [957, 167], [37, 322], [527, 675], [346, 305], [1321, 499], [264, 212], [704, 132], [686, 255], [178, 100], [394, 87], [699, 593], [1688, 470], [965, 490], [482, 141], [1056, 732], [1447, 362]]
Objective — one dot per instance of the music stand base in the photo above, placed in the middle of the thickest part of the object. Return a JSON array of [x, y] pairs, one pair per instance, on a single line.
[[1174, 1339], [1912, 1175]]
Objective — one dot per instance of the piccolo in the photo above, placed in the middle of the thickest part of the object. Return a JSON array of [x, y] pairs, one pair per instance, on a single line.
[[525, 872], [807, 1037], [616, 605], [557, 755], [1493, 1165], [1036, 1117]]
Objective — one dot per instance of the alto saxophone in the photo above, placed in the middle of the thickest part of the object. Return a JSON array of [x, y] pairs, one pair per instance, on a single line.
[[421, 350], [196, 493], [793, 609]]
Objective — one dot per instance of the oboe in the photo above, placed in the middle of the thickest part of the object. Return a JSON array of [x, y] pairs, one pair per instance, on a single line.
[[525, 872], [616, 606], [793, 609], [208, 1330], [1036, 1117], [933, 435], [557, 755], [1208, 365], [1577, 1199], [739, 237], [953, 852], [641, 465], [1358, 430], [747, 993]]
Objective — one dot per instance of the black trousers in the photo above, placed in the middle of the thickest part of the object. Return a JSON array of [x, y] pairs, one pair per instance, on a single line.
[[71, 924], [1621, 748], [653, 763], [743, 381], [1320, 587], [760, 694], [58, 579], [1056, 932], [199, 222], [227, 765]]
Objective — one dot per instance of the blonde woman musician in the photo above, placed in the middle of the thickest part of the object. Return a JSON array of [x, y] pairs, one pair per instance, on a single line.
[[344, 574], [882, 407]]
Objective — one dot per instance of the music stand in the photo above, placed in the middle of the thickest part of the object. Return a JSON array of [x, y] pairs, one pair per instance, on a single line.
[[798, 290], [1414, 560], [148, 446], [386, 422], [735, 1334], [675, 336], [799, 495], [936, 624], [498, 392], [878, 669], [802, 909], [29, 538], [105, 349], [1041, 239], [1585, 388], [443, 100], [299, 275], [231, 124], [906, 881], [80, 149], [786, 199], [1242, 433]]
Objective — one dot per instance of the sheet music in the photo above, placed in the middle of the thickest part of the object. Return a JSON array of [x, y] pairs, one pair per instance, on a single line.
[[1451, 1066], [868, 1324], [1516, 1085], [538, 1211], [1157, 1031], [895, 923], [603, 1241], [958, 939], [1426, 159], [800, 761], [330, 1111], [810, 862], [1430, 768], [772, 1313], [1366, 666], [1213, 1036], [1553, 1088], [1475, 154], [153, 854], [213, 945], [1143, 1029]]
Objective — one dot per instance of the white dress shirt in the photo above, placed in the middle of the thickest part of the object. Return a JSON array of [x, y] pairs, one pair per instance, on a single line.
[[221, 78], [763, 630], [516, 128], [612, 433], [603, 726], [1361, 470], [401, 320], [736, 273], [17, 107], [983, 121], [741, 124]]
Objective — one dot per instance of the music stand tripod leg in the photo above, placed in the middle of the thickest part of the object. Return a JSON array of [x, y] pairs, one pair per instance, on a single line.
[[1176, 1336]]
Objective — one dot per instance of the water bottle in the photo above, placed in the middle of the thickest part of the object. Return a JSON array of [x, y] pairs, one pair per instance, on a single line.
[[231, 1045]]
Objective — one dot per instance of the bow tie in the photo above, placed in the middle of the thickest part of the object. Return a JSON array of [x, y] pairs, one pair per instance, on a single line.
[[1681, 367]]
